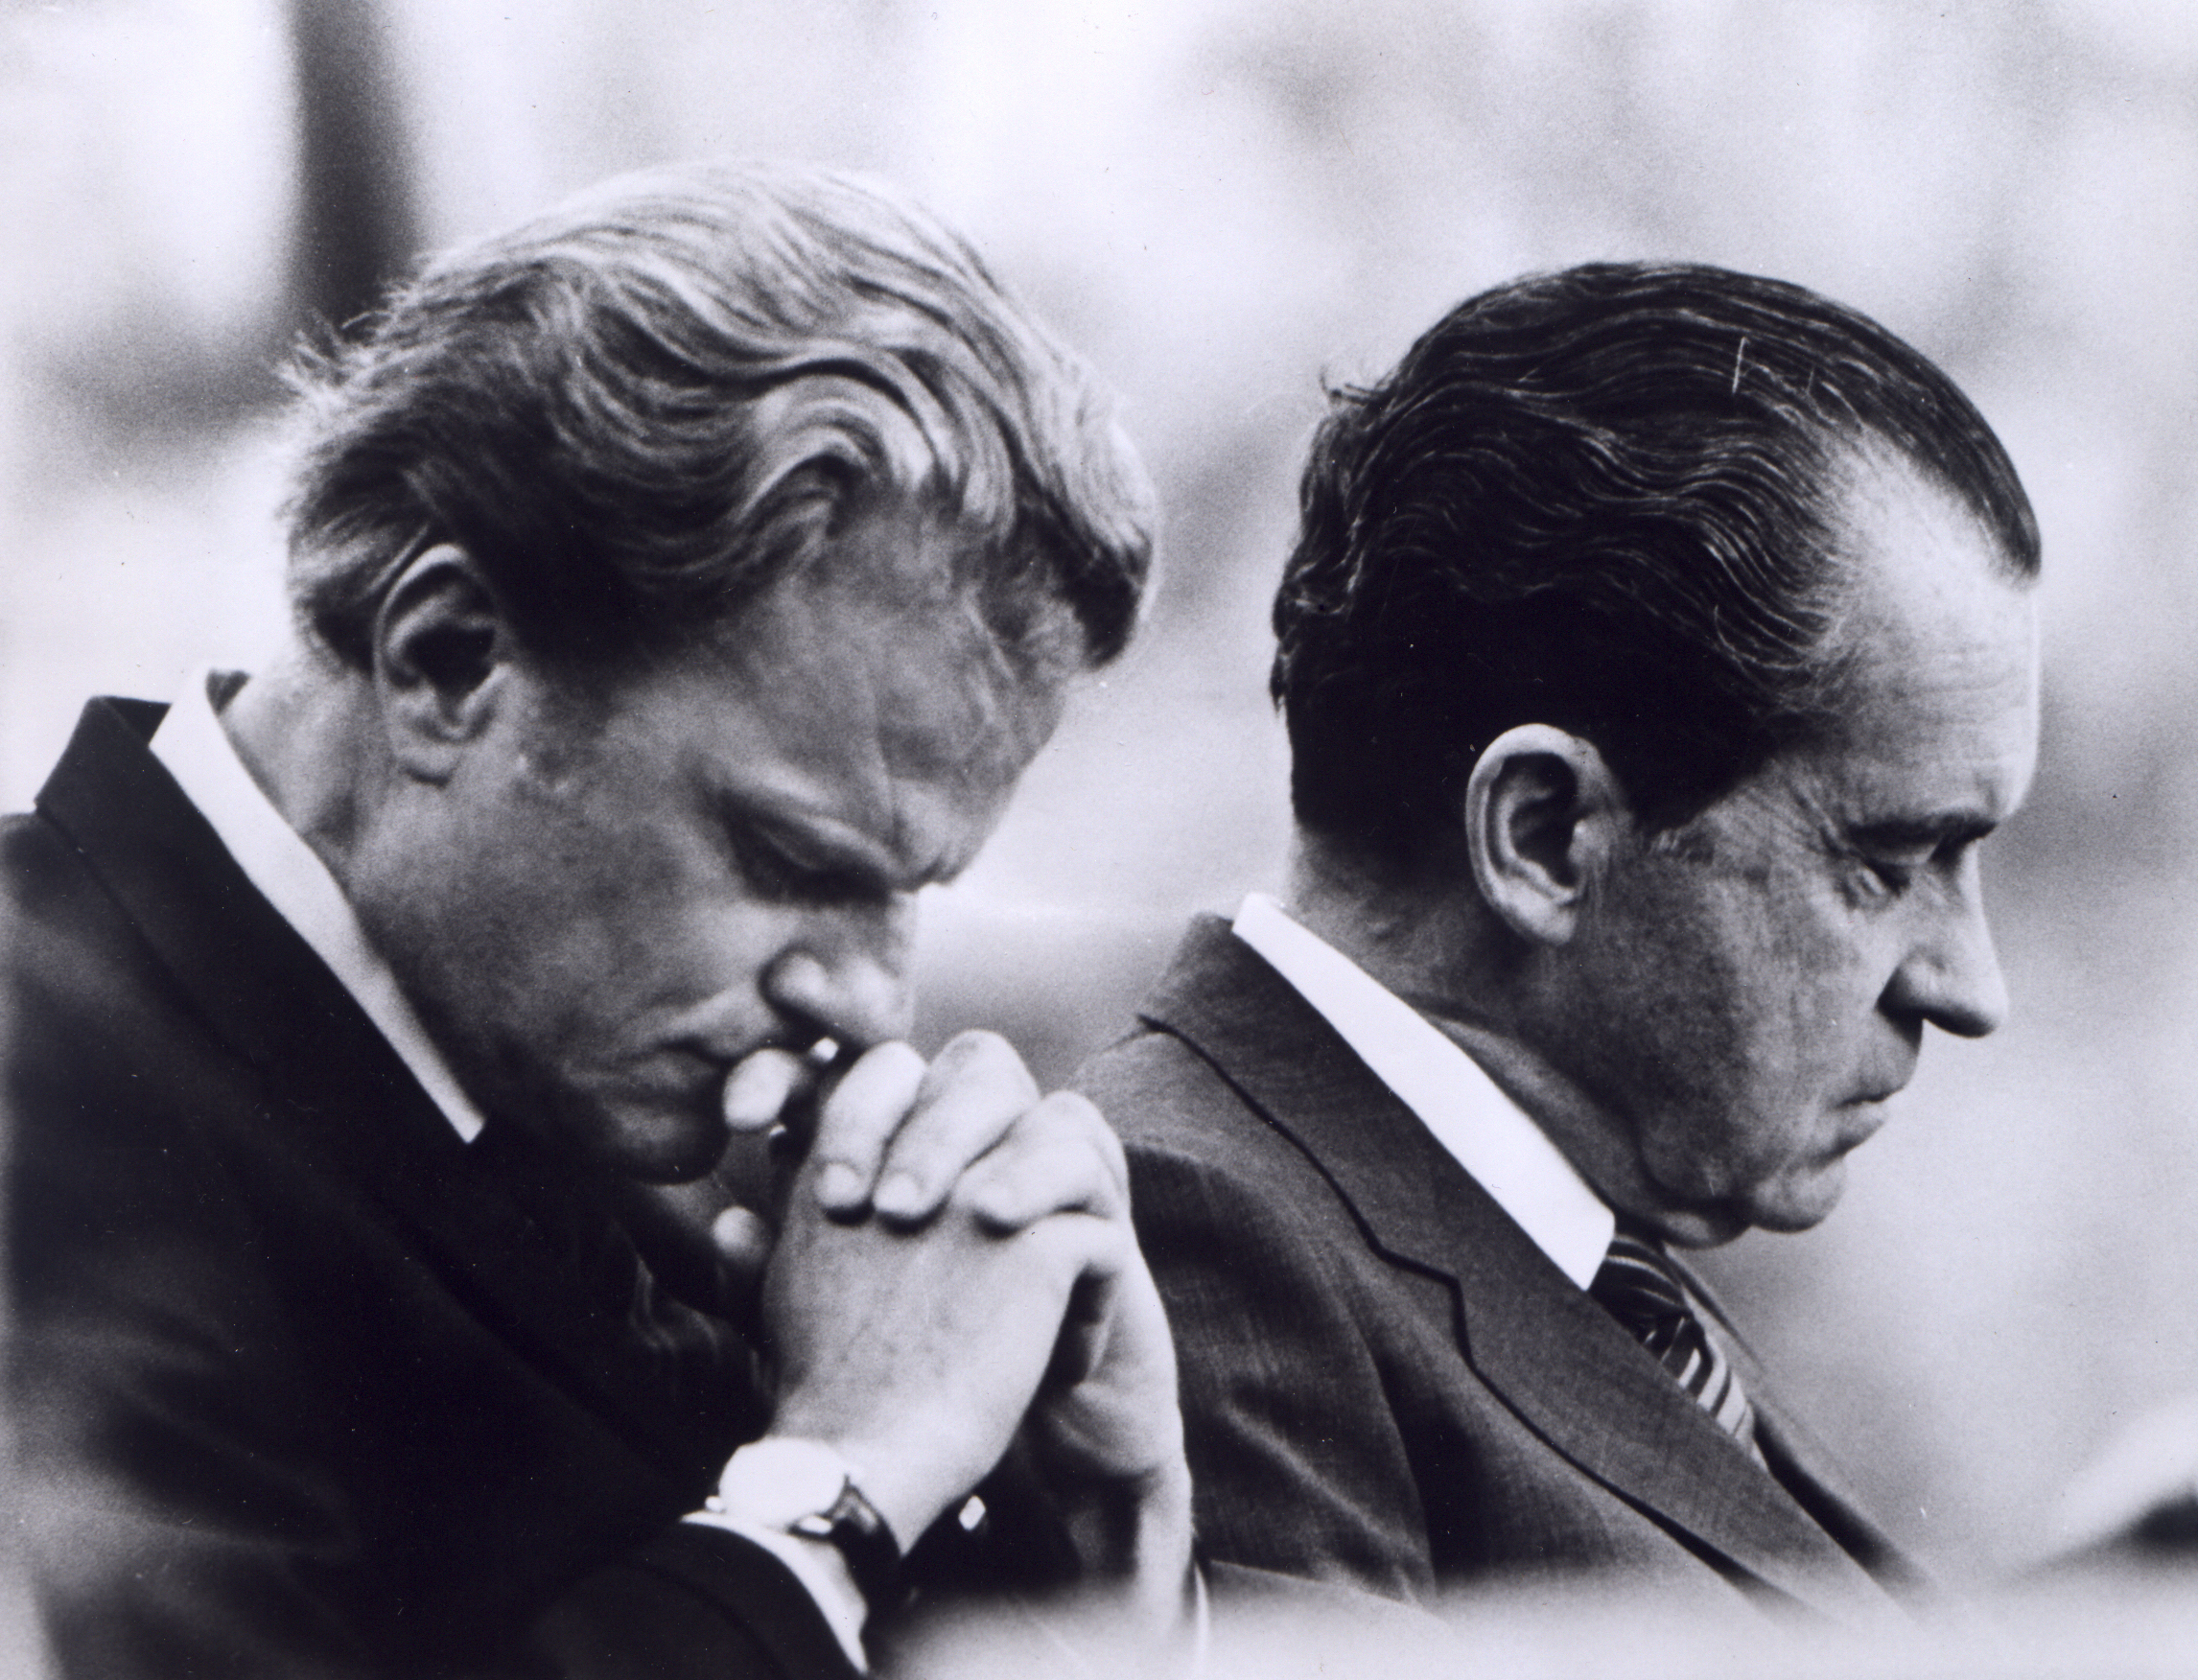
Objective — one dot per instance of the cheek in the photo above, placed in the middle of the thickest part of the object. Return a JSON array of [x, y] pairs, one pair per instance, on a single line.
[[583, 913], [1744, 1021], [1778, 961], [1679, 974]]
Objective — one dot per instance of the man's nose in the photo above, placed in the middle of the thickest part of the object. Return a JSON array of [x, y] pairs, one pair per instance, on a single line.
[[1952, 976], [848, 977]]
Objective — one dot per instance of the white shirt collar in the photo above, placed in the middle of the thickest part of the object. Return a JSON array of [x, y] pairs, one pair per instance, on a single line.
[[1488, 1134], [198, 753]]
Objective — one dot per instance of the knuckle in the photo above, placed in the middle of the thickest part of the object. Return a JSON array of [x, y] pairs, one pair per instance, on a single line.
[[1074, 1111], [1069, 1171], [979, 1052], [980, 1193], [1077, 1114], [894, 1060], [866, 1106]]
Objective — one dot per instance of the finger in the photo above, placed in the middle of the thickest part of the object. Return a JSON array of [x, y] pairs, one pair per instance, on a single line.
[[1082, 1342], [1119, 1417], [743, 1243], [976, 1091], [859, 1116], [758, 1088], [1060, 1157]]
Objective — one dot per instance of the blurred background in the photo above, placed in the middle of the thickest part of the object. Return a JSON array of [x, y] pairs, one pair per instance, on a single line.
[[1224, 204]]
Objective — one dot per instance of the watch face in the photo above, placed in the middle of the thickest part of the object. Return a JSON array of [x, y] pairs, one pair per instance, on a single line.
[[774, 1484]]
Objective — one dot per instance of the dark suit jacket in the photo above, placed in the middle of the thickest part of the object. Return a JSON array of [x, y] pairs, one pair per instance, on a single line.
[[297, 1387], [1385, 1383]]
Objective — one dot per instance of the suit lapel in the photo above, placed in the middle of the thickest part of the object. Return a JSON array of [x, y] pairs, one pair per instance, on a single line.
[[1568, 1369], [346, 1096]]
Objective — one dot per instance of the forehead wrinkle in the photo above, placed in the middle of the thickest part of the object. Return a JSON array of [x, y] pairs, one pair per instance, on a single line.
[[953, 729], [953, 705], [991, 683], [881, 813]]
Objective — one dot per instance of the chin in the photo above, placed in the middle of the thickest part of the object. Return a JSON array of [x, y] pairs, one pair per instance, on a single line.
[[1799, 1202], [658, 1147], [1696, 1228], [681, 1165]]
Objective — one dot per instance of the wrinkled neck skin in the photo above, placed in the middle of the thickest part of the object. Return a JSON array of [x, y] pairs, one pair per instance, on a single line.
[[1427, 935], [1421, 930], [309, 731]]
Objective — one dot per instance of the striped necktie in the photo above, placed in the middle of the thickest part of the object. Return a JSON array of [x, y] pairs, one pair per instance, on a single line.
[[1640, 1287]]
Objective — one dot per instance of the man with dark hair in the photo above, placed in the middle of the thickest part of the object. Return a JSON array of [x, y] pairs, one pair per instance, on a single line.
[[1656, 652], [682, 582]]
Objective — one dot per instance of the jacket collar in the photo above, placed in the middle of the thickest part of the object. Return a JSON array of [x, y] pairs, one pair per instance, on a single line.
[[1569, 1370], [196, 751]]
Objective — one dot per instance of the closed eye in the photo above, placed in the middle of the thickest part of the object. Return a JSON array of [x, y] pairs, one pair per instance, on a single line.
[[775, 867], [1895, 874], [1880, 878], [1895, 854]]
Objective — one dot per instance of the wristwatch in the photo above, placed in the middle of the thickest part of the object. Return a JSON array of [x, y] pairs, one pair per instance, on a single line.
[[806, 1488]]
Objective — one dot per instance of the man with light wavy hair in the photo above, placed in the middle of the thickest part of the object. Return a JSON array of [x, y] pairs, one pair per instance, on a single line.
[[681, 583]]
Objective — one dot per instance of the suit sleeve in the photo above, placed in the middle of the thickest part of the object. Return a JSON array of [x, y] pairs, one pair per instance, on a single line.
[[694, 1601], [1298, 1461]]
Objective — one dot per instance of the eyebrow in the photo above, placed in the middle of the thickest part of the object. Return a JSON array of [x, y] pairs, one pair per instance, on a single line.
[[1953, 828]]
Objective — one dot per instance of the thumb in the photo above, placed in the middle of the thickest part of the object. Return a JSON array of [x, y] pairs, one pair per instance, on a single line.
[[742, 1241], [1087, 1327]]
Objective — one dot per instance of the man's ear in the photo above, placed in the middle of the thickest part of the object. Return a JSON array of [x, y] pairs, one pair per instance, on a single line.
[[442, 653], [1543, 814]]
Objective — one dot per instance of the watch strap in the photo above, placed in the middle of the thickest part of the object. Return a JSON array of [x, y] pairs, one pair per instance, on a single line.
[[864, 1538]]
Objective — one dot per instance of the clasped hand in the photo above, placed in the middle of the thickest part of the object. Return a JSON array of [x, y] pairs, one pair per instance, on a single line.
[[955, 1261]]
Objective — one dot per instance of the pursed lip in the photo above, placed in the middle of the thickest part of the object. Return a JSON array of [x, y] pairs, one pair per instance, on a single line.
[[680, 1074], [1874, 1093], [1863, 1117]]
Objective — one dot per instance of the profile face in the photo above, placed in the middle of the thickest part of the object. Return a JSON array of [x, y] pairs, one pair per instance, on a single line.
[[1753, 988], [637, 887]]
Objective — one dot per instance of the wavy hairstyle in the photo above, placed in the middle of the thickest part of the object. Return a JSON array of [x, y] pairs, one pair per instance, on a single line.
[[641, 409], [1602, 500]]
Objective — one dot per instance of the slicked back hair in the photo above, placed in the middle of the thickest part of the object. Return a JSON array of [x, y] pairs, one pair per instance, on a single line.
[[1601, 500], [640, 410]]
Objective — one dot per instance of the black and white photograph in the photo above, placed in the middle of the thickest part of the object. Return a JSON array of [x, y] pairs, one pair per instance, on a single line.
[[958, 838]]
